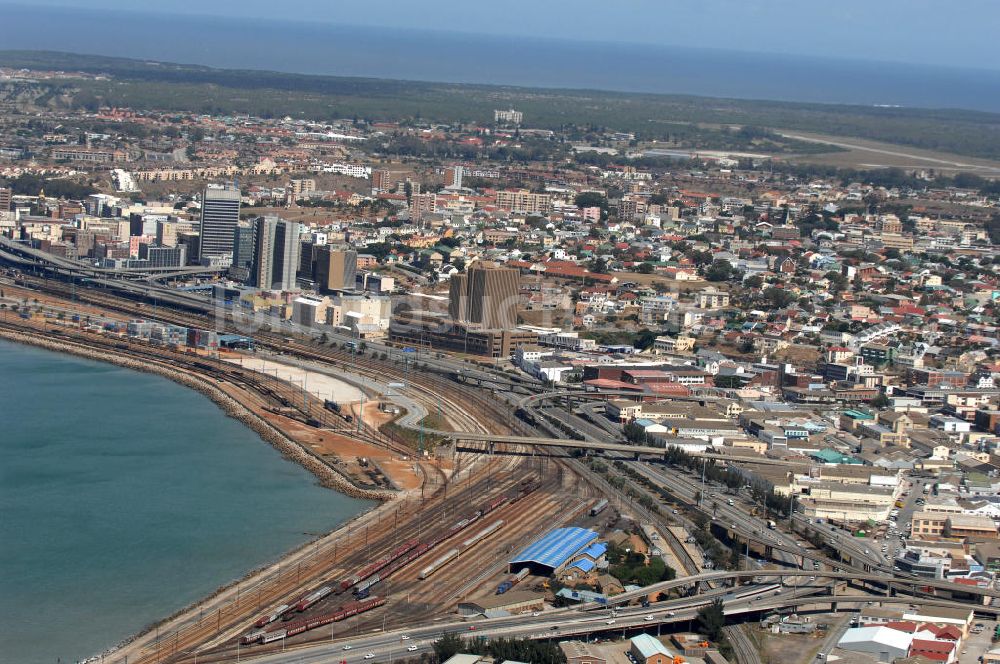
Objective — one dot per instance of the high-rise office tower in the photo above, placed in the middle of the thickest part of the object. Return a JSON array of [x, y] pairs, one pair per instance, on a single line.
[[336, 269], [276, 250], [243, 239], [486, 295], [220, 213], [5, 198]]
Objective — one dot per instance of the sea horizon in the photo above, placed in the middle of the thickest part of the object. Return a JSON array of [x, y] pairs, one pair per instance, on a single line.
[[466, 58]]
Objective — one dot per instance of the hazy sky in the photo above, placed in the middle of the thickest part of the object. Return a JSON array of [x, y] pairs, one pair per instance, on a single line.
[[946, 32]]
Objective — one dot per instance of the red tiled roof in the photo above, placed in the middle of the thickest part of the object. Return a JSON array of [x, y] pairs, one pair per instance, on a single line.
[[675, 389], [937, 650]]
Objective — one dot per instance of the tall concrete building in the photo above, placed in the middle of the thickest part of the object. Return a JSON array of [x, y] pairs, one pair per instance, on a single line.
[[243, 243], [485, 296], [336, 269], [276, 251], [5, 198], [220, 213], [166, 233]]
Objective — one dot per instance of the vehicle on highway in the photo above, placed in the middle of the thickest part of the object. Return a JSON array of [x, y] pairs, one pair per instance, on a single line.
[[610, 621], [411, 648], [404, 637], [670, 614], [534, 614], [370, 655], [347, 647], [648, 618]]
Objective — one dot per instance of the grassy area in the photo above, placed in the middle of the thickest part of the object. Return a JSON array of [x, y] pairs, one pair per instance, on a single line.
[[681, 120], [412, 438]]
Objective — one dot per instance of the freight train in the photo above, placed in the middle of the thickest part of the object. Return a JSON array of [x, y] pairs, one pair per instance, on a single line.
[[378, 565], [299, 626], [362, 581], [271, 617]]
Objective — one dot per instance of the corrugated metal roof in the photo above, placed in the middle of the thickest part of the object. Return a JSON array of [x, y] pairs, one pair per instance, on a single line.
[[584, 565], [649, 646], [556, 547]]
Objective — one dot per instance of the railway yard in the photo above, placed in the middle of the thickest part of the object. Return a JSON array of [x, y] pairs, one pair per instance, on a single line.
[[450, 518], [439, 541]]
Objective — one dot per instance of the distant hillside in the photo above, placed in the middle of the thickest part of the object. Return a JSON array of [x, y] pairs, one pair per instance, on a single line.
[[170, 86]]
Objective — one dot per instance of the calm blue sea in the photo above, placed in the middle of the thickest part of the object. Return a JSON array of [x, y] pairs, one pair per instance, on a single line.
[[281, 45], [124, 497]]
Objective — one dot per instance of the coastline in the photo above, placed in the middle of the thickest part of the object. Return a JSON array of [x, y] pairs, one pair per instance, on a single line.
[[289, 449], [326, 476]]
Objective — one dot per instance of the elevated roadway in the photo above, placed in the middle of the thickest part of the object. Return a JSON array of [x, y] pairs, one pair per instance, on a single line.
[[589, 620]]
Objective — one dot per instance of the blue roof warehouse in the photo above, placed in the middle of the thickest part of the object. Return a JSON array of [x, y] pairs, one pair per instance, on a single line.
[[553, 550]]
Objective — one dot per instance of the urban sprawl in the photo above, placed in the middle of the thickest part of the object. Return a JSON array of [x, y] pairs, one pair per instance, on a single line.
[[774, 388]]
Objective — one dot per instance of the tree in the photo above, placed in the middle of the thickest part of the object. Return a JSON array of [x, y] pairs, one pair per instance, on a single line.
[[634, 433], [588, 199], [712, 619], [730, 381], [645, 268], [778, 297], [719, 270], [644, 339], [448, 646]]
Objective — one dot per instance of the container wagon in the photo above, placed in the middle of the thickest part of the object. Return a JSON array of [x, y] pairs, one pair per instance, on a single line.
[[378, 565], [438, 564], [274, 636], [365, 586], [599, 507], [312, 598], [300, 626], [271, 617], [494, 504]]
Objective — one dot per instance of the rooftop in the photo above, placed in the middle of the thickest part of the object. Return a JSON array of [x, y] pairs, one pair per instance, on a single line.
[[650, 646], [555, 547]]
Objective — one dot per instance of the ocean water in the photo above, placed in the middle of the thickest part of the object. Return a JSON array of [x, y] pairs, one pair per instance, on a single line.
[[343, 50], [124, 497]]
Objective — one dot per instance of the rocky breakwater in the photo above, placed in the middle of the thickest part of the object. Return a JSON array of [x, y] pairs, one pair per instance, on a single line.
[[327, 476]]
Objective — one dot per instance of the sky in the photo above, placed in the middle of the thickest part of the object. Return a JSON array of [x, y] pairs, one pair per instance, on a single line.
[[955, 33]]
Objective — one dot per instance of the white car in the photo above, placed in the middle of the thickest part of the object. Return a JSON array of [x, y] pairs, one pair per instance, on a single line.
[[411, 649], [347, 647], [370, 655], [404, 638], [670, 614], [609, 621], [648, 618]]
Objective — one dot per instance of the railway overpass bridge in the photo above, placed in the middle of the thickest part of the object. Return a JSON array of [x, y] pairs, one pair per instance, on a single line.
[[570, 443]]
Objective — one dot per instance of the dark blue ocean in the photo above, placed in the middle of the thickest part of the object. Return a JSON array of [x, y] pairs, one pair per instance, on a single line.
[[312, 48], [125, 497]]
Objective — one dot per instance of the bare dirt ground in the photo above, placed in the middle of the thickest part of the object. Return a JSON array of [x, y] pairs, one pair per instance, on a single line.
[[347, 451], [786, 648], [862, 153]]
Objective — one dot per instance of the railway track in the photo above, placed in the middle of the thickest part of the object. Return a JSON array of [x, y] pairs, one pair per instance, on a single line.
[[469, 408]]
